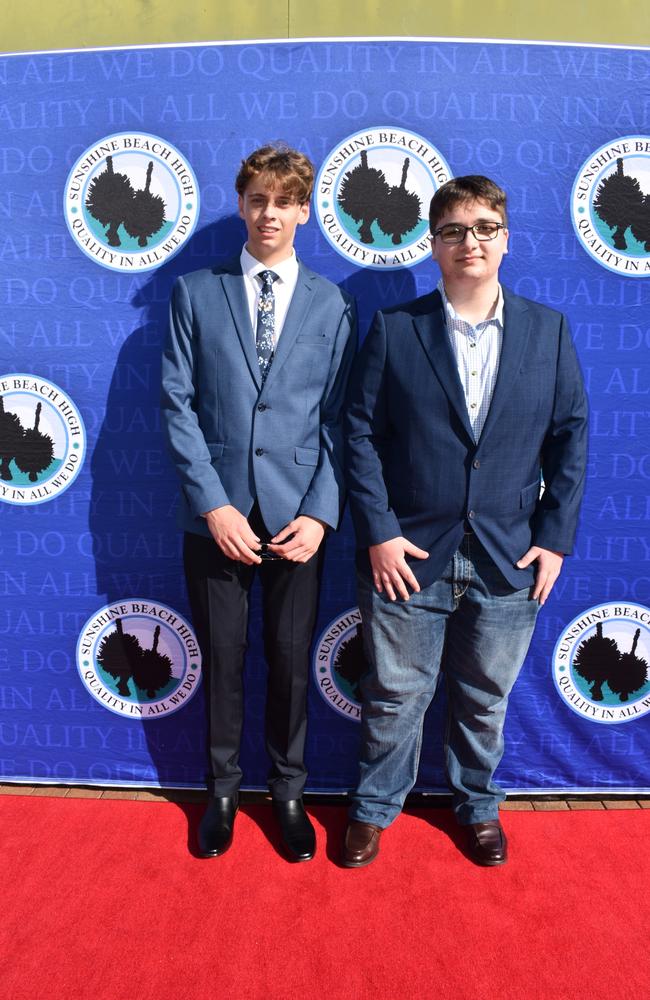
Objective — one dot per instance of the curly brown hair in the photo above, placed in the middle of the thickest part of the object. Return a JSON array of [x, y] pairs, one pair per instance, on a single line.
[[284, 167]]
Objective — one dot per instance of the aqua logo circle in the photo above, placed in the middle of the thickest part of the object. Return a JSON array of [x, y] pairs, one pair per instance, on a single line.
[[42, 440], [131, 201], [610, 206], [339, 663], [372, 196], [601, 663], [139, 658]]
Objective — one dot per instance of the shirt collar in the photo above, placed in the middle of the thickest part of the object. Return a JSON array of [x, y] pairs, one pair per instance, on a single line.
[[286, 270], [453, 315]]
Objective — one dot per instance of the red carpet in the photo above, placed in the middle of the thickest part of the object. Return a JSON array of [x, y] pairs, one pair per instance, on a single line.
[[104, 900]]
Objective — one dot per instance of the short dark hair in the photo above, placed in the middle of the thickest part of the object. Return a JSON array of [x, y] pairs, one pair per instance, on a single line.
[[473, 187], [286, 168]]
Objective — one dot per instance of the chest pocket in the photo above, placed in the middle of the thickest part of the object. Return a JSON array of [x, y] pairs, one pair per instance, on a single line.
[[313, 340]]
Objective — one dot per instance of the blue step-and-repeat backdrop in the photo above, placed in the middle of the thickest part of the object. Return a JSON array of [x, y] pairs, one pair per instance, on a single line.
[[117, 175]]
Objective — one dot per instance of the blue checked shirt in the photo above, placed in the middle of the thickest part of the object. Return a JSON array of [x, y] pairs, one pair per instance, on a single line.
[[477, 350]]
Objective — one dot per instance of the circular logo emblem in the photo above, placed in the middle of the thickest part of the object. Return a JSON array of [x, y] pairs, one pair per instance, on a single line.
[[601, 663], [131, 201], [339, 664], [610, 205], [42, 440], [139, 658], [372, 197]]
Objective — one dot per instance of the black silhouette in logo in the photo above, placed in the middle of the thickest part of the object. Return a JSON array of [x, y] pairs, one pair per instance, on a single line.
[[109, 200], [350, 662], [146, 213], [618, 201], [36, 450], [153, 670], [11, 439], [400, 212], [118, 654], [631, 673], [121, 655], [595, 660], [599, 661], [640, 224], [363, 190]]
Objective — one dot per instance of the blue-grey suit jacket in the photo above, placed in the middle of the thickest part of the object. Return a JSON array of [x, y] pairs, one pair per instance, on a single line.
[[413, 466], [233, 441]]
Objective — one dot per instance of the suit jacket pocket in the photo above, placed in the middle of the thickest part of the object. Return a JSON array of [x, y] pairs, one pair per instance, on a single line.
[[307, 456], [529, 495], [319, 340], [510, 504]]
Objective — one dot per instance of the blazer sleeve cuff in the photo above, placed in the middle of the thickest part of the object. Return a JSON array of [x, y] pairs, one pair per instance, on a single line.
[[373, 531], [328, 517], [201, 499], [555, 538]]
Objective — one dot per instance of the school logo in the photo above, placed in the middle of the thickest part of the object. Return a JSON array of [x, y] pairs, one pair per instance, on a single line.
[[42, 440], [131, 201], [339, 664], [610, 205], [601, 663], [139, 658], [372, 197]]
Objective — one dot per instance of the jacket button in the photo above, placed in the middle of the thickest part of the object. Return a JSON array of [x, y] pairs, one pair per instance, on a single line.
[[471, 515], [261, 407], [259, 451], [476, 464]]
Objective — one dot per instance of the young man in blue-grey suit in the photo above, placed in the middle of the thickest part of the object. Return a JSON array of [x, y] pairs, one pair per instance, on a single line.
[[254, 376], [466, 432]]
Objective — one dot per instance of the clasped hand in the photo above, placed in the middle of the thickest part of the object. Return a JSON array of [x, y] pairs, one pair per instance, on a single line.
[[237, 540]]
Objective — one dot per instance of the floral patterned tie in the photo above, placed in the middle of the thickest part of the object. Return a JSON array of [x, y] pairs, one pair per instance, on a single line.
[[265, 334]]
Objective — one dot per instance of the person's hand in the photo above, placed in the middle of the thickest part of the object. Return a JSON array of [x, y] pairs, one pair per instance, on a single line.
[[304, 535], [549, 564], [233, 534], [390, 571]]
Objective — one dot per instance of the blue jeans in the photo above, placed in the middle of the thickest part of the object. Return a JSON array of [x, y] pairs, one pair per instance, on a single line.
[[483, 627]]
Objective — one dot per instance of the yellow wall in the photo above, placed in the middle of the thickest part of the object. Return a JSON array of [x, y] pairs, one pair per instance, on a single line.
[[37, 24]]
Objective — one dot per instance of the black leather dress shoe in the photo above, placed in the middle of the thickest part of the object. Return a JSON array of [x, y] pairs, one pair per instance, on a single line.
[[487, 844], [296, 832], [216, 826]]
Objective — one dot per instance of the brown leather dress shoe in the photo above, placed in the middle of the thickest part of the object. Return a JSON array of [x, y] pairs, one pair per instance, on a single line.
[[486, 843], [361, 844]]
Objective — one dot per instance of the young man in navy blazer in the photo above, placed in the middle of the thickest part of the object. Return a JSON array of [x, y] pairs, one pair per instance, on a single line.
[[254, 376], [466, 433]]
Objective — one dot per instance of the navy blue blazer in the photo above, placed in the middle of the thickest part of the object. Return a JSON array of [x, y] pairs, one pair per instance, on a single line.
[[233, 441], [413, 466]]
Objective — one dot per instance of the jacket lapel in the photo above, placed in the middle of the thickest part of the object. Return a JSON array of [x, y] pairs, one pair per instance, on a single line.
[[233, 286], [516, 330], [294, 322], [432, 331]]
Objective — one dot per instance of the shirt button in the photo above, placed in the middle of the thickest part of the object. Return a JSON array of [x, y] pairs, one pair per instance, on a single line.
[[476, 464], [261, 407], [471, 515], [474, 373], [472, 343], [473, 406], [259, 451]]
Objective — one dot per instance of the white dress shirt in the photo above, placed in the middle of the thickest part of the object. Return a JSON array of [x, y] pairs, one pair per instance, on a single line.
[[283, 288], [477, 350]]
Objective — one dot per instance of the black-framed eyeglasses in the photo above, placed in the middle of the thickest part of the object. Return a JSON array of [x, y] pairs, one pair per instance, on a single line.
[[455, 233]]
